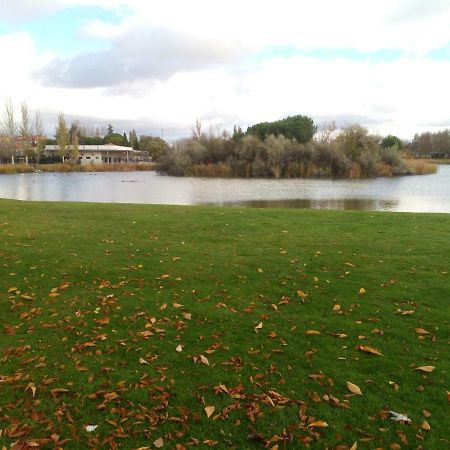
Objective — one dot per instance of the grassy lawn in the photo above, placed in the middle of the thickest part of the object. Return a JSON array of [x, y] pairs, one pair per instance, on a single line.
[[172, 327]]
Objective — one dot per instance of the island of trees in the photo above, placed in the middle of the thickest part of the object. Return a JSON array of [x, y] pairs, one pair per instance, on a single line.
[[291, 148]]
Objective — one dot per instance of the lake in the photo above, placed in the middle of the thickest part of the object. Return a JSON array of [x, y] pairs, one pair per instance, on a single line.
[[424, 193]]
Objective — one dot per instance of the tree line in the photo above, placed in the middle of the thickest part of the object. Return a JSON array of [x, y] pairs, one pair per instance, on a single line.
[[286, 148], [26, 138], [434, 145]]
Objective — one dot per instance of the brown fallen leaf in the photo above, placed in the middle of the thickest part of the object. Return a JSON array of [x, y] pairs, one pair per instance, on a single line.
[[336, 307], [204, 360], [367, 349], [258, 327], [143, 361], [354, 446], [55, 392], [209, 410], [427, 369], [163, 277], [12, 289], [187, 316], [318, 424], [177, 305], [362, 291], [421, 331], [159, 443], [353, 388], [425, 425], [312, 332]]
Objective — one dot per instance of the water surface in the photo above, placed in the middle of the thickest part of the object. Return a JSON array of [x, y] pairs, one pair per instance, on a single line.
[[425, 193]]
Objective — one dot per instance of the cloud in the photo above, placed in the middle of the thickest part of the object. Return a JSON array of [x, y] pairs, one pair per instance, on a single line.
[[153, 53]]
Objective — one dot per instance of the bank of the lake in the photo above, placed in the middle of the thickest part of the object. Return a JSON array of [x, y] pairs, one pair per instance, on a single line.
[[227, 327], [70, 167]]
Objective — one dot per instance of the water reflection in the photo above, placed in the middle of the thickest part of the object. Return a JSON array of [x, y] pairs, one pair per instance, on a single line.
[[347, 204], [428, 193]]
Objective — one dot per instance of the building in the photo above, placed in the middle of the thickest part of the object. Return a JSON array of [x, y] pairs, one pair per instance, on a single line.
[[103, 154]]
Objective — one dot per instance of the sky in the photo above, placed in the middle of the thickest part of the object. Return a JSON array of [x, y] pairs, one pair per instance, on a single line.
[[158, 66]]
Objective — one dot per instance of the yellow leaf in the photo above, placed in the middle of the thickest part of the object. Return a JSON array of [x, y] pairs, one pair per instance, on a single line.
[[179, 348], [362, 291], [209, 410], [187, 316], [422, 331], [159, 443], [316, 279], [143, 361], [354, 446], [425, 426], [12, 289], [312, 332], [427, 369], [204, 360], [367, 349], [163, 307], [301, 294], [353, 388], [177, 305], [258, 327], [260, 270], [318, 424], [163, 277], [336, 307]]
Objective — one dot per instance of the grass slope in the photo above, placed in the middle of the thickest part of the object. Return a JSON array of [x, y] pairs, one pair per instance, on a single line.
[[265, 306]]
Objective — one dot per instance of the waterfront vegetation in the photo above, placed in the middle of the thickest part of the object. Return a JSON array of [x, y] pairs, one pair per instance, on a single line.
[[71, 167], [169, 327]]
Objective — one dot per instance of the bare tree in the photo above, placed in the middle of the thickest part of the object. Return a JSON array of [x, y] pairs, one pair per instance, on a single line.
[[10, 127], [25, 130], [40, 137]]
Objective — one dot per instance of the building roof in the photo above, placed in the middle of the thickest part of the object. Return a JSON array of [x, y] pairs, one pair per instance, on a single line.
[[97, 148]]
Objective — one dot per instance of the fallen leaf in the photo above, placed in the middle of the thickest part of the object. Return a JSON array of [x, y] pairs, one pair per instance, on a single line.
[[318, 424], [204, 360], [427, 369], [179, 348], [90, 428], [367, 349], [177, 305], [354, 446], [312, 332], [159, 443], [336, 307], [353, 388], [258, 327], [422, 331], [12, 289], [209, 410], [143, 361], [362, 291], [301, 294], [187, 316], [425, 425]]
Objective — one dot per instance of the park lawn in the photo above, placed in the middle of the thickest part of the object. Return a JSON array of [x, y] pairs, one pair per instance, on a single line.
[[171, 327]]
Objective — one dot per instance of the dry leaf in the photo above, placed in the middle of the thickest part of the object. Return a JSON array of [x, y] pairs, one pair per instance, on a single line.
[[336, 307], [425, 426], [258, 327], [204, 360], [177, 305], [187, 316], [159, 443], [354, 388], [312, 332], [143, 361], [362, 291], [318, 424], [209, 410], [163, 277], [367, 349], [422, 331], [179, 348], [427, 369], [354, 446]]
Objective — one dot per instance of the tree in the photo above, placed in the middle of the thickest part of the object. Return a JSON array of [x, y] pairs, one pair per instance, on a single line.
[[125, 142], [25, 131], [62, 136], [110, 130], [40, 137], [134, 141], [155, 146], [10, 127], [300, 128], [391, 141], [114, 139]]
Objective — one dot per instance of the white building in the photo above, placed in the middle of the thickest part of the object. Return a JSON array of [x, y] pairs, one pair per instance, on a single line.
[[103, 154]]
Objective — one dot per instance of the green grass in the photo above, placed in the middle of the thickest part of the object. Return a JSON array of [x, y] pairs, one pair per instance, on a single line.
[[118, 270]]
